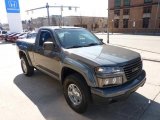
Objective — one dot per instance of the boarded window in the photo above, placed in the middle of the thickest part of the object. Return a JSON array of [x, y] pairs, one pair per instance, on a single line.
[[146, 22], [126, 11], [147, 9], [125, 23], [116, 23], [117, 12]]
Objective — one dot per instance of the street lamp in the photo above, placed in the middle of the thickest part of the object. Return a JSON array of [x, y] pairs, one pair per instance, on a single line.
[[108, 24]]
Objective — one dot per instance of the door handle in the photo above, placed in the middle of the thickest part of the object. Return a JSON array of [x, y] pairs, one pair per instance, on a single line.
[[39, 49]]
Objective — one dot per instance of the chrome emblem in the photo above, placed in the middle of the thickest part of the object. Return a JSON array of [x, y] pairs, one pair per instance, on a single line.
[[135, 69]]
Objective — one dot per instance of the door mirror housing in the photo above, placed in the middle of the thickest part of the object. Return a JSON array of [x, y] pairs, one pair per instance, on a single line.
[[101, 40], [48, 45]]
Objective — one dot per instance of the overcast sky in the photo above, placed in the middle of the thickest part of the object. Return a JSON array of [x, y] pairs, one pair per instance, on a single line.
[[87, 8]]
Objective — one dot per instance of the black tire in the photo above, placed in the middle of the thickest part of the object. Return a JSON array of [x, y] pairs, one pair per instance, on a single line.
[[29, 70], [78, 81]]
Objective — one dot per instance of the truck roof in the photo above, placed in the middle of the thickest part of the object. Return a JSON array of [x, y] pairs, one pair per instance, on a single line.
[[59, 27]]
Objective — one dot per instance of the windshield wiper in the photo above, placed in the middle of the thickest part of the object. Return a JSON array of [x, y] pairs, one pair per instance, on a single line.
[[92, 44], [75, 46]]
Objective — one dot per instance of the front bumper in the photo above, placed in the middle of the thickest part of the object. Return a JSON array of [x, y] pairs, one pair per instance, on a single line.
[[112, 93]]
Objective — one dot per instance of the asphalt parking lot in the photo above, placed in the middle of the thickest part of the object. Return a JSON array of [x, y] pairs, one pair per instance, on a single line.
[[40, 97]]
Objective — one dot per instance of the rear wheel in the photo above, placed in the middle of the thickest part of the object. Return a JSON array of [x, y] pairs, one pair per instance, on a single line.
[[26, 68], [76, 92]]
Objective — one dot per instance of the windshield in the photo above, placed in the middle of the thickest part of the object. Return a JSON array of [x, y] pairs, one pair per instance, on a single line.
[[74, 38]]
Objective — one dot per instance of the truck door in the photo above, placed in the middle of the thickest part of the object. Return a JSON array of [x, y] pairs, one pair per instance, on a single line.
[[47, 58]]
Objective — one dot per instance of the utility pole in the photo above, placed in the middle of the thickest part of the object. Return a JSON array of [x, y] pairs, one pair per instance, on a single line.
[[61, 15], [48, 6], [108, 28]]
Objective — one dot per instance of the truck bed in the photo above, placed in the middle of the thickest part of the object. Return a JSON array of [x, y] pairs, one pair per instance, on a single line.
[[29, 41]]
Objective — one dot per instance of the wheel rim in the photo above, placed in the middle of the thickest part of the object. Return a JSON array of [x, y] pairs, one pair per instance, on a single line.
[[24, 67], [74, 94]]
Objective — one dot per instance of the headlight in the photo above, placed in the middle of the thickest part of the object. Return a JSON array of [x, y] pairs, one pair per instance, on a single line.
[[113, 81], [109, 76], [108, 70]]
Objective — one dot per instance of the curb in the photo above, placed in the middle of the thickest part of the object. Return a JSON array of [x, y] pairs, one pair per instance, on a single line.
[[151, 60]]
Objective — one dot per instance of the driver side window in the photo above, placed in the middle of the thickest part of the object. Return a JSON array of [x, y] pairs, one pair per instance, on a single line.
[[44, 37]]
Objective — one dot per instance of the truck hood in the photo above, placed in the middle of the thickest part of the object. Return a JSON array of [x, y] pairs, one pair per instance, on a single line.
[[102, 55]]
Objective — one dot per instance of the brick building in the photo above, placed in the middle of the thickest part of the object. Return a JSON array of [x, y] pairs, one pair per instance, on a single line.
[[134, 16]]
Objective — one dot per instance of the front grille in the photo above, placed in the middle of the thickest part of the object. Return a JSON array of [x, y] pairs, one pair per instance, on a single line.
[[133, 69]]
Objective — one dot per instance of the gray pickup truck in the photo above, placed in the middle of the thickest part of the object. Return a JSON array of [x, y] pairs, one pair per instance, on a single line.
[[88, 69]]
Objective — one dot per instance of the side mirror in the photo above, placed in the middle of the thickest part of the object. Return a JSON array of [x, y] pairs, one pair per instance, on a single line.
[[48, 45], [101, 40]]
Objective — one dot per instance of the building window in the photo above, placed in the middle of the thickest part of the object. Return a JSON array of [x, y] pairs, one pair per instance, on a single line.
[[147, 1], [147, 9], [116, 23], [126, 11], [126, 2], [117, 3], [125, 23], [146, 22], [117, 12]]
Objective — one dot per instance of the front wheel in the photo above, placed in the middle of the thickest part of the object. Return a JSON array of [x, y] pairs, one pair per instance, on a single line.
[[76, 93], [26, 68]]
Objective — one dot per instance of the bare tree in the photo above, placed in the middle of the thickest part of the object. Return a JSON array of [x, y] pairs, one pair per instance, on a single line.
[[60, 20], [1, 28], [80, 20], [93, 23], [53, 21], [41, 22]]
